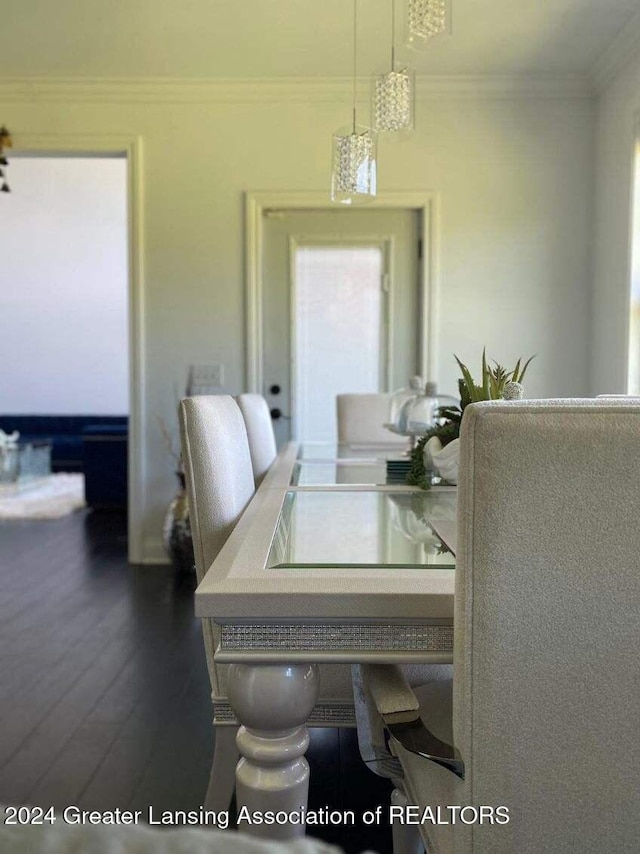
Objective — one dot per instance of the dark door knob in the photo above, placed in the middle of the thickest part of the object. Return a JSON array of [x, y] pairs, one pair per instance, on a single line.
[[274, 389], [276, 413]]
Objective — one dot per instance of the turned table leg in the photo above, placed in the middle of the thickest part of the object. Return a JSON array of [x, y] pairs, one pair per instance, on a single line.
[[272, 702], [406, 837]]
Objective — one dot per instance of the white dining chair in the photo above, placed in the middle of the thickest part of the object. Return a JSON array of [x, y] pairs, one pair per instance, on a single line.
[[220, 485], [262, 441], [361, 419], [540, 719]]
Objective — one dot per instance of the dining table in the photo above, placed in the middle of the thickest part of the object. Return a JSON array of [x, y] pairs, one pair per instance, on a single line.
[[335, 560]]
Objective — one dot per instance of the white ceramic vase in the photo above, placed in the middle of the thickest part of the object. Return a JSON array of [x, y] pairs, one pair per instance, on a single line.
[[444, 461]]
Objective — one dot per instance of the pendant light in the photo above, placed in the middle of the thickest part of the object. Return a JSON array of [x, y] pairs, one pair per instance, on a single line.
[[353, 179], [393, 95], [425, 19]]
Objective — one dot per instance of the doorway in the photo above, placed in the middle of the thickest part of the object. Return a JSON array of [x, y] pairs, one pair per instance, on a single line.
[[128, 150], [123, 153], [341, 306]]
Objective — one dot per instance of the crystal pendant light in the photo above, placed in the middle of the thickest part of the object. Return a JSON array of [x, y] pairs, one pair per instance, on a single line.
[[425, 19], [393, 97], [353, 178]]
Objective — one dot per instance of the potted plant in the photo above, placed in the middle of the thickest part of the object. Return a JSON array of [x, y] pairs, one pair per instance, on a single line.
[[439, 447]]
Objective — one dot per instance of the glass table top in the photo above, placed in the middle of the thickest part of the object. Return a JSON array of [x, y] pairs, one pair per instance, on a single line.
[[362, 529], [307, 473]]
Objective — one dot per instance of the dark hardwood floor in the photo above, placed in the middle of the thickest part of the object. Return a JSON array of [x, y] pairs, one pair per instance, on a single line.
[[104, 691]]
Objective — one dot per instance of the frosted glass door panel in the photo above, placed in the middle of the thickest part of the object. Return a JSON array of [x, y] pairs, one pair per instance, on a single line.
[[339, 317]]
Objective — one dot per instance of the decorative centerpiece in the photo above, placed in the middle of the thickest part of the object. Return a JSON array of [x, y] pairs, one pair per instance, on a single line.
[[176, 530], [176, 527], [438, 450]]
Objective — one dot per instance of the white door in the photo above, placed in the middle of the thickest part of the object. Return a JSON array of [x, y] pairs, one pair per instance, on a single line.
[[341, 308]]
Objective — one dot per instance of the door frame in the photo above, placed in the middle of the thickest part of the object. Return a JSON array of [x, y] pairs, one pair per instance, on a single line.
[[129, 147], [257, 203], [634, 223]]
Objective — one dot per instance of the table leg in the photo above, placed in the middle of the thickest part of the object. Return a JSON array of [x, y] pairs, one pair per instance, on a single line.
[[272, 702]]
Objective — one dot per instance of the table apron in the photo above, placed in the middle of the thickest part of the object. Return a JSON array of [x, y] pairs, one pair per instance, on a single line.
[[385, 643], [323, 656]]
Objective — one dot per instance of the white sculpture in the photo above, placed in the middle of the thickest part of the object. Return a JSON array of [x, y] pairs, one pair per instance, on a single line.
[[8, 442]]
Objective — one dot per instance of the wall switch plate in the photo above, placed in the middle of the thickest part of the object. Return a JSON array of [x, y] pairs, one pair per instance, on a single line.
[[206, 379]]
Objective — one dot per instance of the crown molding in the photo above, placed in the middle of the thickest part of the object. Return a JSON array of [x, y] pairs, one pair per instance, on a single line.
[[503, 86], [168, 90], [622, 49], [291, 90]]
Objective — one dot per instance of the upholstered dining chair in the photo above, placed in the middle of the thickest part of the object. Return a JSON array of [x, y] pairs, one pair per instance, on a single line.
[[220, 485], [361, 418], [262, 442], [537, 734], [219, 478]]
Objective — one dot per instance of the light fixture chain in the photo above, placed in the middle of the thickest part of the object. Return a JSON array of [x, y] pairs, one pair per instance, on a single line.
[[355, 54], [393, 35]]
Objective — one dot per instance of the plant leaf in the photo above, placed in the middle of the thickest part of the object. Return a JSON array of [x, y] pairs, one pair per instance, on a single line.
[[526, 365], [468, 379], [485, 375]]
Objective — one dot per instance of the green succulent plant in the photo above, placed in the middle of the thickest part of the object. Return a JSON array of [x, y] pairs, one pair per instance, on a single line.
[[494, 379], [491, 387]]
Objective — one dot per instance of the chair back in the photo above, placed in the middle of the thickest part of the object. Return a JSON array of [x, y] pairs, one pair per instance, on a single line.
[[218, 472], [219, 479], [361, 418], [262, 442], [547, 626]]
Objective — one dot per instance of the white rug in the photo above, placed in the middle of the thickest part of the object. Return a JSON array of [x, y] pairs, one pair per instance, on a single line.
[[50, 498]]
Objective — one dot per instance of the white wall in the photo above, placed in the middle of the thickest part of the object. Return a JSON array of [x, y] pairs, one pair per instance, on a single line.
[[515, 182], [618, 111], [515, 179], [63, 287]]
